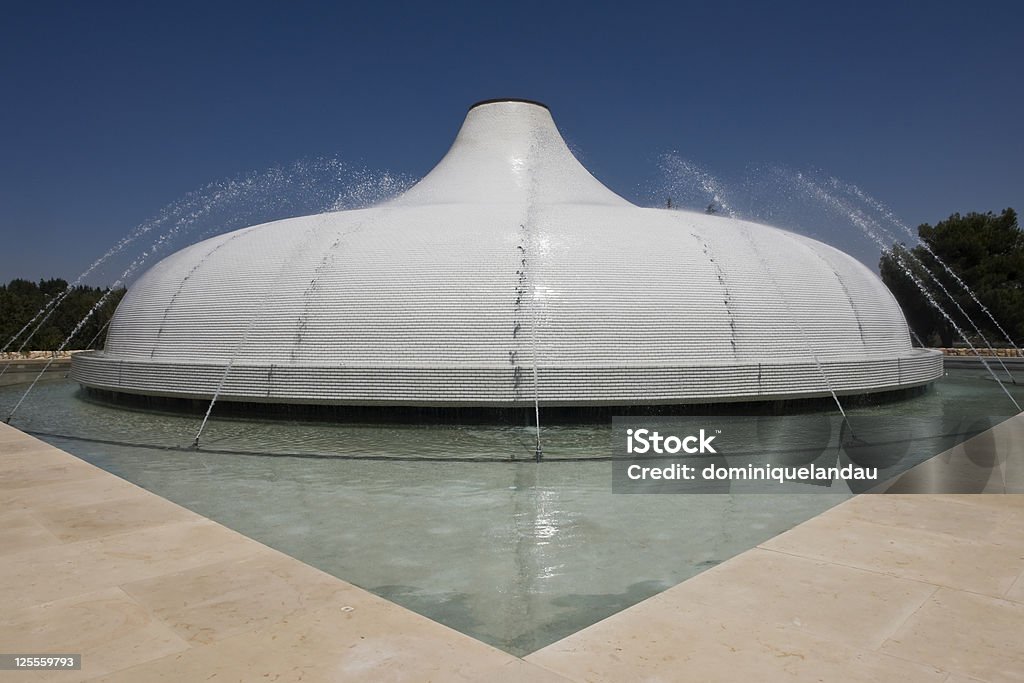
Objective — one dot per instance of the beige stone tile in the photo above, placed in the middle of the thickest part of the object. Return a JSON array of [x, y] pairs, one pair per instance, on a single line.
[[46, 471], [18, 449], [968, 634], [217, 601], [1010, 531], [72, 493], [519, 671], [957, 678], [8, 433], [701, 643], [14, 441], [27, 450], [991, 500], [109, 629], [376, 642], [1016, 591], [46, 574], [855, 607], [116, 516], [978, 566], [21, 531], [1009, 528], [954, 516]]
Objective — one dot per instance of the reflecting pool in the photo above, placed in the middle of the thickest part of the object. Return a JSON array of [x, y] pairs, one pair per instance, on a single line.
[[456, 523]]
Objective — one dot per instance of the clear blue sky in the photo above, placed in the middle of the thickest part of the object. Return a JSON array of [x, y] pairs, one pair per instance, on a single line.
[[110, 111]]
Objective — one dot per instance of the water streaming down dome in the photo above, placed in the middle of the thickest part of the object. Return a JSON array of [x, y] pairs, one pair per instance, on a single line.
[[508, 273]]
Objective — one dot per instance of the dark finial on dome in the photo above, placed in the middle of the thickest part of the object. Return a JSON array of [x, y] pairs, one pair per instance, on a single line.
[[508, 99]]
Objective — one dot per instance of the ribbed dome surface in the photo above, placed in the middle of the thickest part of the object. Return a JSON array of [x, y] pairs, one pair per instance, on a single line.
[[508, 256]]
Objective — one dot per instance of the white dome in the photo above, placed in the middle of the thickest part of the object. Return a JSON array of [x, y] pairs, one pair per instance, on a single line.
[[508, 256]]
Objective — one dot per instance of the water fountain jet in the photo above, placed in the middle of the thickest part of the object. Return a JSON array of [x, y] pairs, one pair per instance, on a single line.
[[870, 229]]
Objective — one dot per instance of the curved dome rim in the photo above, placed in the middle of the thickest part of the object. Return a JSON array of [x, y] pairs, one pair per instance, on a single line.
[[508, 100]]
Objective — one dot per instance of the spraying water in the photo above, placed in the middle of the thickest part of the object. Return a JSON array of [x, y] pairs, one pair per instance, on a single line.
[[869, 228], [160, 219], [308, 186], [303, 187], [61, 349], [285, 267], [795, 319], [889, 216], [682, 173], [686, 175]]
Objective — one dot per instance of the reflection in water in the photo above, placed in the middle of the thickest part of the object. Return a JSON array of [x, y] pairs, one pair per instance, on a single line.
[[518, 554]]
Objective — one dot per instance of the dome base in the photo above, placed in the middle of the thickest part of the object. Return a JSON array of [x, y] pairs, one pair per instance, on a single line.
[[413, 415], [457, 387]]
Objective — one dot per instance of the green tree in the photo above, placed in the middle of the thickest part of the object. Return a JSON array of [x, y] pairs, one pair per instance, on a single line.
[[21, 300], [986, 251]]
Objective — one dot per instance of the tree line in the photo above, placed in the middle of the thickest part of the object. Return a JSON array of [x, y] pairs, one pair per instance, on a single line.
[[986, 253], [20, 300]]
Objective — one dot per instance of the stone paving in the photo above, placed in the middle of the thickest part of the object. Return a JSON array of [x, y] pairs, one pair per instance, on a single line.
[[881, 588]]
